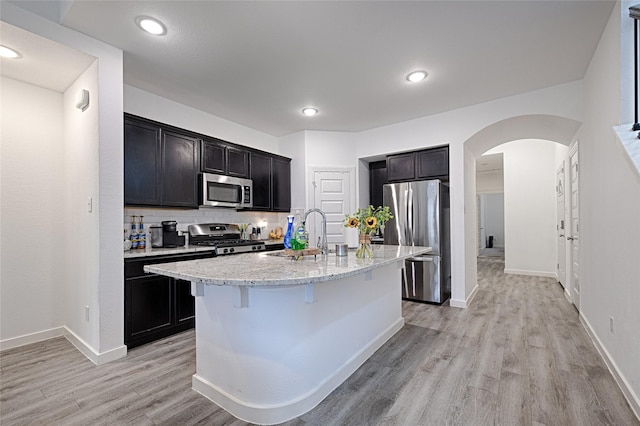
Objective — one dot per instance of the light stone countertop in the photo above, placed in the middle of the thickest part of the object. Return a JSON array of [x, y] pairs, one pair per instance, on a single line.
[[270, 269], [148, 251]]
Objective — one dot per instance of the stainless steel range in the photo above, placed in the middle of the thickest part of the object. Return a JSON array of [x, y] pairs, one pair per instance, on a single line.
[[224, 237]]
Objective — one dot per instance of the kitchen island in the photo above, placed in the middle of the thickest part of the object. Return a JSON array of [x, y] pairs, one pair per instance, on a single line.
[[274, 336]]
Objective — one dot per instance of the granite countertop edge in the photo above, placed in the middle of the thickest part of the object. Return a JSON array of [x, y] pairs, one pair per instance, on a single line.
[[266, 269], [161, 251]]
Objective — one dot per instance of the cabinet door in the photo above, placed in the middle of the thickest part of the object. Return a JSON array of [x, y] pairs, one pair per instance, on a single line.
[[377, 179], [142, 164], [185, 302], [148, 306], [180, 170], [213, 157], [281, 185], [401, 167], [237, 162], [261, 176], [433, 163]]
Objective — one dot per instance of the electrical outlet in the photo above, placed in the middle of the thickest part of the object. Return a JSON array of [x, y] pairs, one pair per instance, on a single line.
[[611, 321], [86, 313]]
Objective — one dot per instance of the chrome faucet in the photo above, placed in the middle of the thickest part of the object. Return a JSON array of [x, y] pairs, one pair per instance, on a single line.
[[322, 241]]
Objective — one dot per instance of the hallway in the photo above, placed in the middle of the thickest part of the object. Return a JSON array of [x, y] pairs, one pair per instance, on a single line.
[[518, 356]]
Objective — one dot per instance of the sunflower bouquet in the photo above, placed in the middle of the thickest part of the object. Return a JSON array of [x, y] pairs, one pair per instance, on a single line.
[[367, 221]]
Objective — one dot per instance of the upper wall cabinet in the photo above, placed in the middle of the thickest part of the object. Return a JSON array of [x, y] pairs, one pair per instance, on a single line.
[[401, 167], [142, 163], [221, 158], [426, 164], [433, 163], [179, 170], [160, 165], [271, 176]]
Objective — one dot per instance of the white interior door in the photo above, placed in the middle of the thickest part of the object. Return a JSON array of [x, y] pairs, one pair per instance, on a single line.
[[561, 231], [332, 195], [574, 230]]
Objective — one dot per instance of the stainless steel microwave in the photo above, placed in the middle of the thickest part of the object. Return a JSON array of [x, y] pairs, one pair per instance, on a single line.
[[225, 191]]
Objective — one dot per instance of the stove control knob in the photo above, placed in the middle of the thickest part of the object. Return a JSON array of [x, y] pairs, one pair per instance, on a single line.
[[225, 250], [231, 250]]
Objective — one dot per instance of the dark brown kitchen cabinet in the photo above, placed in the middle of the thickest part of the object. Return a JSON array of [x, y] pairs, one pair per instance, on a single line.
[[142, 163], [401, 167], [433, 163], [156, 306], [179, 170], [160, 165], [185, 308], [222, 158], [271, 176], [281, 181], [430, 163], [261, 177], [377, 179]]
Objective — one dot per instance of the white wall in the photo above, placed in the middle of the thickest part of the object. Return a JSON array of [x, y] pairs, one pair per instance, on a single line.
[[105, 337], [81, 177], [32, 219], [530, 206], [610, 209], [489, 182], [153, 107]]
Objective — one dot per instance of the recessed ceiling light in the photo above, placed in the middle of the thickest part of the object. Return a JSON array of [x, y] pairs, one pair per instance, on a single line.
[[7, 52], [309, 111], [416, 76], [151, 25]]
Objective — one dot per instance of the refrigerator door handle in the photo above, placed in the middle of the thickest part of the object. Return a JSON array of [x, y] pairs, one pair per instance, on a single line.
[[410, 216]]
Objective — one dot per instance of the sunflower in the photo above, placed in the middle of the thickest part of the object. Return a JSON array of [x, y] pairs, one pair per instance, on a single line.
[[371, 222], [353, 222]]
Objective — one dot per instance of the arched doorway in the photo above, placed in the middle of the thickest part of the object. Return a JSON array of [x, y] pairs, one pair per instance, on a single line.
[[536, 126]]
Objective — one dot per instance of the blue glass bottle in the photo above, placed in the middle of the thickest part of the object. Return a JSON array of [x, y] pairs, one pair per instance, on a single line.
[[289, 233]]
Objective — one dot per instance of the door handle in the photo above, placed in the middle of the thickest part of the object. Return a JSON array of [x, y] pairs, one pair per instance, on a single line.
[[569, 238]]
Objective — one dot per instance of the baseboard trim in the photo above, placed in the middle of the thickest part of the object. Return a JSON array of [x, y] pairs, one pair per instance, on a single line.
[[32, 338], [81, 345], [531, 273], [93, 356], [464, 304], [621, 381], [272, 414]]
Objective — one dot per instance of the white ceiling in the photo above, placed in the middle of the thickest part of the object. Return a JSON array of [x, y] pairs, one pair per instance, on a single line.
[[258, 63], [43, 62]]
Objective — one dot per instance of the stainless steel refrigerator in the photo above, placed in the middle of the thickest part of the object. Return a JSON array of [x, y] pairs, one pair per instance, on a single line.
[[421, 218]]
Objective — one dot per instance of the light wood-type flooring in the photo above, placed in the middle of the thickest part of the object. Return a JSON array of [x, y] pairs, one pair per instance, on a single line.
[[517, 356]]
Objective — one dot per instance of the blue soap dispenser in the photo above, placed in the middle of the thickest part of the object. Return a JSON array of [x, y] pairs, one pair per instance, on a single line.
[[289, 233]]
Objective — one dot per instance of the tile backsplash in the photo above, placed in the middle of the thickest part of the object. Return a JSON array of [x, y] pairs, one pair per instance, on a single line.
[[154, 216]]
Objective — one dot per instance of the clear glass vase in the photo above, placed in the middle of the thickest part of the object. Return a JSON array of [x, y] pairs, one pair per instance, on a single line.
[[364, 250]]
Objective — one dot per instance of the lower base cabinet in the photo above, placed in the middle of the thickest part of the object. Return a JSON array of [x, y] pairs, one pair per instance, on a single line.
[[155, 306]]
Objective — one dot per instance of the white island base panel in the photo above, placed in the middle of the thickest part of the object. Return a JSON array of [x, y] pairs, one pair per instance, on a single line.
[[269, 354]]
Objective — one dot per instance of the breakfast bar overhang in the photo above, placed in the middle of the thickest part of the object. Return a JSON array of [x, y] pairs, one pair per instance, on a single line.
[[275, 336]]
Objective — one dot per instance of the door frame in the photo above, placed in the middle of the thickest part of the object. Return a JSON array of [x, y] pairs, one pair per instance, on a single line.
[[561, 224], [574, 296]]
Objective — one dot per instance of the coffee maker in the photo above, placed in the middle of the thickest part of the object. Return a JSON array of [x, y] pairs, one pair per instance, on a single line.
[[170, 237]]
